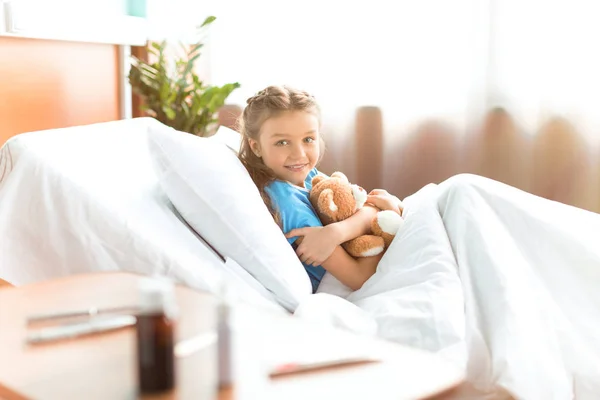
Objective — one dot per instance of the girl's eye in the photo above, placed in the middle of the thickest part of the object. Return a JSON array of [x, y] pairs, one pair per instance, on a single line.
[[281, 143], [309, 140]]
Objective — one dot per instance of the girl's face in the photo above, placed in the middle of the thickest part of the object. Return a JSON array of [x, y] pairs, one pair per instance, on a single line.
[[289, 144]]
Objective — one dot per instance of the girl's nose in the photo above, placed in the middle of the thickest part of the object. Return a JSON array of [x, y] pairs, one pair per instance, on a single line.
[[298, 151]]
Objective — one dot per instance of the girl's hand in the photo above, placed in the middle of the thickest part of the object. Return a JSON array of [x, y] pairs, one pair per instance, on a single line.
[[384, 201], [316, 243]]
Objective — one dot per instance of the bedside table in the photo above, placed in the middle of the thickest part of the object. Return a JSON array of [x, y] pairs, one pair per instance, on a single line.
[[102, 366]]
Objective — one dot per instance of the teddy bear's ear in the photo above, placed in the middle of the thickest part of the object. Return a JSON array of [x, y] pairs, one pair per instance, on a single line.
[[316, 179], [340, 175], [326, 203]]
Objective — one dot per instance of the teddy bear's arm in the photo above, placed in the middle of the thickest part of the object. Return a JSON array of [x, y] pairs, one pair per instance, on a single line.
[[364, 246], [386, 224]]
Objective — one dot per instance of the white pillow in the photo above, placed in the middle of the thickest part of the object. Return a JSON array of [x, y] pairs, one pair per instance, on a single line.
[[213, 192], [228, 137]]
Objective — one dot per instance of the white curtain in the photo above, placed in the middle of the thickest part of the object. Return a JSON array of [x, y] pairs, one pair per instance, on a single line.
[[434, 63], [431, 57], [545, 59]]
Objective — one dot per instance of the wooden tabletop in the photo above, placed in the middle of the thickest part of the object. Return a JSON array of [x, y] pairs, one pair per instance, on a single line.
[[102, 366]]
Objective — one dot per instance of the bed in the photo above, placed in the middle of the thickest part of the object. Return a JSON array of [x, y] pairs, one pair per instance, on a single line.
[[463, 277]]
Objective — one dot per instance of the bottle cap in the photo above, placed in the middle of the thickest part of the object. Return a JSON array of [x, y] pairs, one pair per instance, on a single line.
[[157, 295]]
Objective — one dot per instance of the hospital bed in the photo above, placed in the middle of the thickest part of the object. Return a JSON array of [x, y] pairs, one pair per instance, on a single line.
[[112, 196]]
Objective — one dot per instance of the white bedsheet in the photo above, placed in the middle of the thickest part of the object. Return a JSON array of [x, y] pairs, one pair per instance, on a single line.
[[86, 199], [499, 281]]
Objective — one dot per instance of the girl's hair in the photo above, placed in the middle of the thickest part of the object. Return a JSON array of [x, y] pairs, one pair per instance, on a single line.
[[266, 104]]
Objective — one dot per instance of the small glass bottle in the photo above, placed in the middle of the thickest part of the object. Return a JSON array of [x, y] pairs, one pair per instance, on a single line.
[[225, 337], [224, 344], [156, 336]]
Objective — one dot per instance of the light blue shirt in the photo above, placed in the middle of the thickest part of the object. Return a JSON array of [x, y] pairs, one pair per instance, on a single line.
[[294, 208]]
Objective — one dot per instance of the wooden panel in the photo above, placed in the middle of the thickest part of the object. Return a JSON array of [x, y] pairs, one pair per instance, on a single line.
[[556, 162], [369, 147], [141, 52], [3, 284], [229, 115], [563, 165], [49, 84], [428, 154], [500, 150]]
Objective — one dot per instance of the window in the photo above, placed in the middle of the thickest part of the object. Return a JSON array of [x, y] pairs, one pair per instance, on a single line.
[[101, 21]]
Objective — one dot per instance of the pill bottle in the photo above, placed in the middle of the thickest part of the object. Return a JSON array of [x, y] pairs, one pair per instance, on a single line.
[[155, 335]]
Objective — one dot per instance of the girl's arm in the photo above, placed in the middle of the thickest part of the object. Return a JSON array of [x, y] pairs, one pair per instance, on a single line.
[[358, 224], [319, 243], [348, 270]]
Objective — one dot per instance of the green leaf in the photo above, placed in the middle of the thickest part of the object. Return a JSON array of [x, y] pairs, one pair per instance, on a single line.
[[219, 96], [190, 65], [169, 112], [172, 97], [208, 20], [187, 127], [148, 70], [158, 46], [196, 47], [192, 60], [198, 85], [152, 51], [171, 90]]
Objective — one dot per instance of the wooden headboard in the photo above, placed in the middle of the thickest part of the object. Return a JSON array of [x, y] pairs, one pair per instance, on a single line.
[[50, 84]]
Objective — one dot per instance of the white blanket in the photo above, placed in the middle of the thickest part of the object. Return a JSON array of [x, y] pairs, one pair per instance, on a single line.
[[498, 280]]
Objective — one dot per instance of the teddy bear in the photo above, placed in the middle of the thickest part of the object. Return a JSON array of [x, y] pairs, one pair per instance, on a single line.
[[335, 199]]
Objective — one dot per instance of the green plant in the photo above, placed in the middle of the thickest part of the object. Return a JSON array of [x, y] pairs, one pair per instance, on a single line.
[[171, 90]]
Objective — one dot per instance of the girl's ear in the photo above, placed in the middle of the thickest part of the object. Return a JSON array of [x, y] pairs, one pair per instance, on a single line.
[[254, 146]]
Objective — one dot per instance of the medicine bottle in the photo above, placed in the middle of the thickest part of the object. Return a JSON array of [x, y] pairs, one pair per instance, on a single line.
[[224, 345], [155, 334]]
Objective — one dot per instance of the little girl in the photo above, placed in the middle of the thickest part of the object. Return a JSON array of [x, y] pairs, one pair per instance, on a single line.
[[281, 147]]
